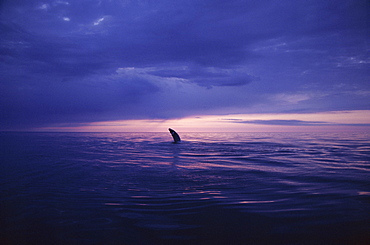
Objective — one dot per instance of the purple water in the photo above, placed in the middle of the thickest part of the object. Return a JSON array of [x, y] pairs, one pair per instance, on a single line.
[[212, 188]]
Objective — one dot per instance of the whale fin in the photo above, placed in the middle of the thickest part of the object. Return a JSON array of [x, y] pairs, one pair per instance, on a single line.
[[175, 136]]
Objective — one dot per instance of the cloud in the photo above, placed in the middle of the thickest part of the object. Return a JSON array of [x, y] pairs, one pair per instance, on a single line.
[[285, 122], [98, 21], [67, 61], [75, 100], [205, 76], [297, 123], [292, 98]]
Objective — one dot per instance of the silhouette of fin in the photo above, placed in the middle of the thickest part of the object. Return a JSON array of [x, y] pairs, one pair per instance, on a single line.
[[175, 136]]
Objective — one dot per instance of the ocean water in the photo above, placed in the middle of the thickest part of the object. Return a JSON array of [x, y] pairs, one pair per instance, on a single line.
[[212, 188]]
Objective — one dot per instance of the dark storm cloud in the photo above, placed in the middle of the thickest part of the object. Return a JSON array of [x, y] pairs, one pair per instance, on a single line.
[[75, 100], [91, 60]]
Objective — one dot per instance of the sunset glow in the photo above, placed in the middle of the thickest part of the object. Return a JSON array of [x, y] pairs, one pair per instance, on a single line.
[[314, 122]]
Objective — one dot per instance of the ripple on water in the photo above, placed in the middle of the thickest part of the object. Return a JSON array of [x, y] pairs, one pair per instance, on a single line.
[[211, 188]]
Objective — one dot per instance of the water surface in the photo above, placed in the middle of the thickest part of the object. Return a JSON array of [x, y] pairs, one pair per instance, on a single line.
[[212, 188]]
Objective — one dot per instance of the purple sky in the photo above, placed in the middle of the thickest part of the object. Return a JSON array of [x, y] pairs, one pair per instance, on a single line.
[[81, 61]]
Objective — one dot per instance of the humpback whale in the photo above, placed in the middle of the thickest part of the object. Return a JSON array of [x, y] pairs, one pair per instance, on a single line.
[[175, 136]]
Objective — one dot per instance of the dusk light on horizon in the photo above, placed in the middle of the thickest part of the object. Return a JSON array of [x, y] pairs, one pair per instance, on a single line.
[[351, 121], [234, 65]]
